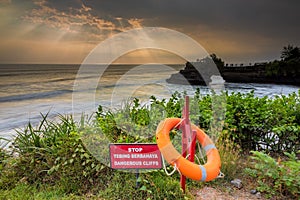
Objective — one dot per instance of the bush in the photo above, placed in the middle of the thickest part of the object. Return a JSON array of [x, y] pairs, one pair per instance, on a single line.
[[253, 123], [52, 153], [3, 153], [265, 124], [279, 177], [136, 122]]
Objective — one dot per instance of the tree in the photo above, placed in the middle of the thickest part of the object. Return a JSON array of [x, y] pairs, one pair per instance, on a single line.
[[218, 61], [290, 52], [288, 67]]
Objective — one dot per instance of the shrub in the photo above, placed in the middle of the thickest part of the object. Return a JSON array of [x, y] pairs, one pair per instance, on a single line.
[[230, 154], [53, 153], [279, 177], [3, 153], [262, 123]]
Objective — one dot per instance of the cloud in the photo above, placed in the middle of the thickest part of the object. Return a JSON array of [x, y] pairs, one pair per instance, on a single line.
[[233, 29], [271, 18], [230, 12], [38, 31], [77, 18]]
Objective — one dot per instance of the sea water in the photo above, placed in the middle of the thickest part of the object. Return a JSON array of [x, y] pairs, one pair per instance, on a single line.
[[27, 91]]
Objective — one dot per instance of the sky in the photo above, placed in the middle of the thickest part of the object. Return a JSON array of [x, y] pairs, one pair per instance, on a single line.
[[56, 31]]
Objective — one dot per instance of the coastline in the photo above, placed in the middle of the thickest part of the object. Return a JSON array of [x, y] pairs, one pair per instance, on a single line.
[[246, 74]]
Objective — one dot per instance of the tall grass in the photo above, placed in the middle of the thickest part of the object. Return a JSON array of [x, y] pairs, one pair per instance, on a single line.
[[52, 153]]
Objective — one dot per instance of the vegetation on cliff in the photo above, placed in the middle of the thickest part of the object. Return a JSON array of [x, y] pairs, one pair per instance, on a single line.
[[283, 71], [288, 66]]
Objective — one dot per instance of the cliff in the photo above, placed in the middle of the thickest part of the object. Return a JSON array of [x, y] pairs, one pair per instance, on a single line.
[[245, 74]]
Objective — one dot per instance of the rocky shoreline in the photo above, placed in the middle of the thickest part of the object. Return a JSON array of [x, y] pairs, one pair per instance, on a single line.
[[244, 74]]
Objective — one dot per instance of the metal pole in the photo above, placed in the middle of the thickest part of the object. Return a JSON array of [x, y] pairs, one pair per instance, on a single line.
[[184, 127], [137, 175], [188, 138], [192, 146]]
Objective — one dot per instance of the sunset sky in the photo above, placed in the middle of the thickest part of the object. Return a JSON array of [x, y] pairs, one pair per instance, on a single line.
[[56, 31]]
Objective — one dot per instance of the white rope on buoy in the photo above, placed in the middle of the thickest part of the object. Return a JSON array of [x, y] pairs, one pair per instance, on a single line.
[[163, 159], [221, 175], [165, 168], [201, 154], [179, 122]]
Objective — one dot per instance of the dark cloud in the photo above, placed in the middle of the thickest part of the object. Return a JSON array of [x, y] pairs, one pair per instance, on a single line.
[[273, 17], [64, 5], [234, 28], [268, 17]]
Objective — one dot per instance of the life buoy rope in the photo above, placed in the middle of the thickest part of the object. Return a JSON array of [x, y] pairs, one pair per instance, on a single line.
[[207, 172]]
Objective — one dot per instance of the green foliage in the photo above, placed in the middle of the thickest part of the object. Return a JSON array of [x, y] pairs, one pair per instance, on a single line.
[[25, 191], [218, 61], [230, 154], [263, 124], [153, 185], [276, 177], [52, 153], [3, 153], [289, 66], [252, 123], [290, 52], [136, 122], [22, 191]]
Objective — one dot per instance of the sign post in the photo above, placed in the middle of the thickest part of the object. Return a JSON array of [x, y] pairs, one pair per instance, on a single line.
[[188, 138], [135, 156]]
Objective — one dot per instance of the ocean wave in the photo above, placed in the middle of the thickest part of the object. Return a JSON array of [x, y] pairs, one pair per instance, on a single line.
[[28, 83], [38, 95]]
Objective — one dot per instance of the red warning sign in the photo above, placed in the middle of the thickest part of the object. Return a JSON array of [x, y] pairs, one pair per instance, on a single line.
[[135, 156]]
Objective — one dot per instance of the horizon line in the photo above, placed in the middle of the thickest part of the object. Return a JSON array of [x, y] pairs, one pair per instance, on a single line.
[[91, 63]]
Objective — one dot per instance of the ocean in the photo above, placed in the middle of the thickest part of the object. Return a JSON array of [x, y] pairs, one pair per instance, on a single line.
[[27, 91]]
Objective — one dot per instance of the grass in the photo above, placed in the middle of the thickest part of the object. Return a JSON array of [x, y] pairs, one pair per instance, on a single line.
[[24, 191]]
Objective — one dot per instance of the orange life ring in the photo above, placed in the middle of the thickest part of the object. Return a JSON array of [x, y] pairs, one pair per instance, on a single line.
[[207, 172]]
